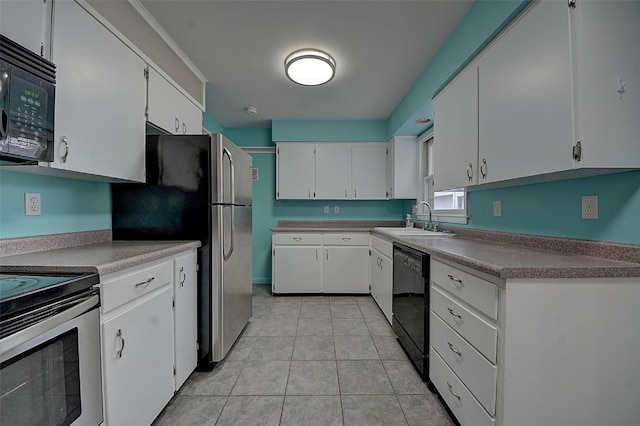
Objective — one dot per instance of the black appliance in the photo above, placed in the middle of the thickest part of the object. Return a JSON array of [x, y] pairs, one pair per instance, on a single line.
[[27, 102], [49, 348], [411, 305], [198, 187]]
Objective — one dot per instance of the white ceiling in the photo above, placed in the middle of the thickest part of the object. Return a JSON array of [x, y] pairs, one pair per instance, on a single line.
[[380, 47]]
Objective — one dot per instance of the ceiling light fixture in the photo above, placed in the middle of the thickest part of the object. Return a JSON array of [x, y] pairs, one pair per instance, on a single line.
[[310, 67], [251, 110], [423, 120]]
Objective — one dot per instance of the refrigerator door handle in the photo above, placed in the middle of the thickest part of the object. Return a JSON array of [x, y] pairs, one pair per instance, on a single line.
[[226, 152]]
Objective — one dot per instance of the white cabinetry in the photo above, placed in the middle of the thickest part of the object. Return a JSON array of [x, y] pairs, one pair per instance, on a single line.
[[320, 263], [185, 317], [532, 351], [168, 108], [295, 165], [137, 343], [345, 264], [381, 267], [297, 263], [100, 99], [402, 167], [28, 23], [368, 172], [331, 171], [556, 77]]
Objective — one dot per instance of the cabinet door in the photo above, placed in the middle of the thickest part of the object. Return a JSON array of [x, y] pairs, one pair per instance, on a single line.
[[525, 98], [606, 45], [386, 287], [295, 171], [28, 23], [369, 172], [297, 269], [100, 98], [345, 270], [185, 316], [169, 109], [402, 167], [456, 132], [333, 172], [137, 359]]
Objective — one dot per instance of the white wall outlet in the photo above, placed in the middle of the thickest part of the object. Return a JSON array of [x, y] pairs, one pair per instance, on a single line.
[[497, 208], [590, 207], [336, 209], [32, 205], [326, 209]]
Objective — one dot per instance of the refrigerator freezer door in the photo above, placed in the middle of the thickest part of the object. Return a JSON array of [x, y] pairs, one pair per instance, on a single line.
[[232, 276], [233, 183]]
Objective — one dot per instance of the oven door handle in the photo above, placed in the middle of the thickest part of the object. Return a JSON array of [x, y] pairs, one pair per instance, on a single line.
[[81, 306]]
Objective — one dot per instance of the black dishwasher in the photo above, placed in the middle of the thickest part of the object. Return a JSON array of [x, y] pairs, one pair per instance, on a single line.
[[411, 305]]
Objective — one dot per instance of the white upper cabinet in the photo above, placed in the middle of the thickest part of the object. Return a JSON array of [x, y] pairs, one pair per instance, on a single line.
[[368, 172], [402, 167], [100, 99], [169, 109], [524, 98], [556, 91], [607, 81], [295, 164], [28, 23], [333, 172], [456, 132]]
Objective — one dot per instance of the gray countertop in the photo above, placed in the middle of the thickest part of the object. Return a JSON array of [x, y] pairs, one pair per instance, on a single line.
[[104, 258]]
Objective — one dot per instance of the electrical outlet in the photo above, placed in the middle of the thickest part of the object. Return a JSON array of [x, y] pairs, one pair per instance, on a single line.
[[497, 208], [336, 209], [326, 209], [32, 205], [590, 207]]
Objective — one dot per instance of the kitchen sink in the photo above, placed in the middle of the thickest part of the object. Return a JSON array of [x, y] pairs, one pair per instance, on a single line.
[[411, 232]]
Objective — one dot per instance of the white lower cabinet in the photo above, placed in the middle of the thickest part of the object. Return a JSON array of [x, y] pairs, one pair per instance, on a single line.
[[320, 263], [185, 316], [381, 270], [148, 337]]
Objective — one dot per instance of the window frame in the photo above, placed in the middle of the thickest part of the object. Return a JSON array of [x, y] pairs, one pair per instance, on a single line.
[[458, 216]]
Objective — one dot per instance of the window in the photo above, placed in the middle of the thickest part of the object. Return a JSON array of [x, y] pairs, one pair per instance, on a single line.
[[448, 206]]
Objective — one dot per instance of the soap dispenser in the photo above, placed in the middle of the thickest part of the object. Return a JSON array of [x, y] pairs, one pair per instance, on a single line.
[[409, 223]]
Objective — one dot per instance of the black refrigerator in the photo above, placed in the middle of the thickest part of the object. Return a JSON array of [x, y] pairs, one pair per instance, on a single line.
[[198, 187]]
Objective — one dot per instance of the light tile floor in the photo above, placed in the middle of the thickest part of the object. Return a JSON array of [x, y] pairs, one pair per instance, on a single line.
[[320, 360]]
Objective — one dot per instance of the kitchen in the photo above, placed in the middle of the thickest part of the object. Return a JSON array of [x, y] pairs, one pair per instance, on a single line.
[[546, 208]]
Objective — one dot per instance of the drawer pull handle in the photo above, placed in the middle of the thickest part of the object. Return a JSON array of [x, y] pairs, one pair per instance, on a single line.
[[452, 278], [182, 276], [346, 238], [145, 283], [119, 335], [455, 314], [454, 350], [452, 392], [297, 238]]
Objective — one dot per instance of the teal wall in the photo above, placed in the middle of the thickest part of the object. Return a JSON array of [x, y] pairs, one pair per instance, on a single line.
[[267, 210], [554, 208], [67, 205]]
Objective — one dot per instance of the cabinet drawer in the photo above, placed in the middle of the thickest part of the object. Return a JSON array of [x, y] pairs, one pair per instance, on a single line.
[[460, 401], [478, 374], [122, 289], [383, 246], [478, 332], [479, 293], [297, 239], [339, 239]]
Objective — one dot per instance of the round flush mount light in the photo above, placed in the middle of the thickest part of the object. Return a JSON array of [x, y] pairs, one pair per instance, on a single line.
[[251, 110], [310, 67]]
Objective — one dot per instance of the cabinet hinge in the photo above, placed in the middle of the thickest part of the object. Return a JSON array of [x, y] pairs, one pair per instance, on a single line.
[[146, 113], [197, 267], [387, 150], [273, 252], [572, 4], [41, 49], [278, 151], [577, 151], [369, 252], [146, 73], [174, 371], [173, 303]]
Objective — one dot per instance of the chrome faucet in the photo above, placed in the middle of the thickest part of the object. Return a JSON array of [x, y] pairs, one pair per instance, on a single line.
[[430, 224]]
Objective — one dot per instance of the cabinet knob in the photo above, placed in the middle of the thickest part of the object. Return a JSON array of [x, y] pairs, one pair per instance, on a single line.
[[483, 168], [452, 392], [177, 124], [63, 141], [119, 336], [182, 276], [470, 172]]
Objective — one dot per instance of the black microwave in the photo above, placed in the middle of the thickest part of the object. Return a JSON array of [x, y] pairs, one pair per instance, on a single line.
[[27, 104]]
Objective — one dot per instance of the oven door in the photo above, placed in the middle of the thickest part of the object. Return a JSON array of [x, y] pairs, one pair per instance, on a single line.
[[50, 372]]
